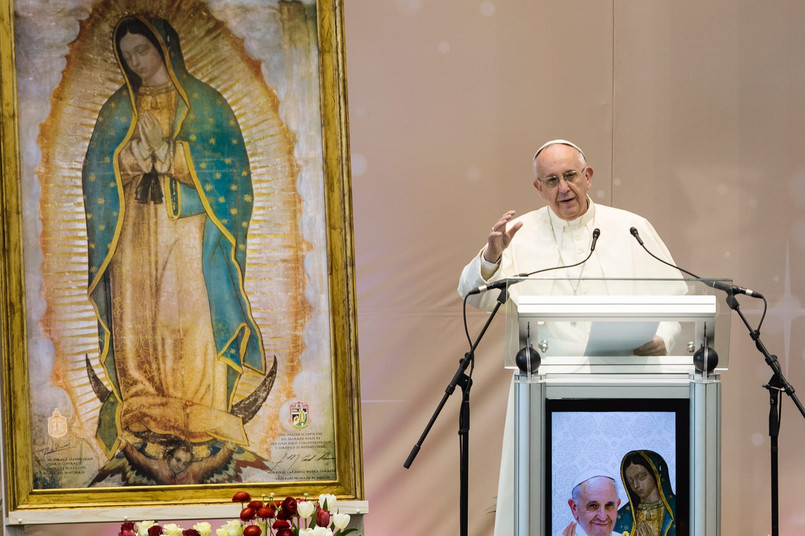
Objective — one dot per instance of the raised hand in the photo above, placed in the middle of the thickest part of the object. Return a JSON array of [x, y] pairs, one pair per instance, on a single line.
[[500, 237]]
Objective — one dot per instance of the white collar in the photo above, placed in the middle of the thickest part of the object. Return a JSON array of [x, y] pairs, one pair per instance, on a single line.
[[559, 225]]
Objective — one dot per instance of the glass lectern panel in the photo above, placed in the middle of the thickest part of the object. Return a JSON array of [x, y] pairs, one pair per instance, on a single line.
[[610, 318]]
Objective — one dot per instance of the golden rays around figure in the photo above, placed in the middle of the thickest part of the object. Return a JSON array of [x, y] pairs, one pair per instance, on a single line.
[[274, 277]]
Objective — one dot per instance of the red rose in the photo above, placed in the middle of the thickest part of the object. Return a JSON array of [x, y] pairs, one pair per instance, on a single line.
[[155, 530], [252, 530], [284, 532], [266, 512], [190, 532], [256, 504], [248, 513], [323, 518], [127, 525], [281, 524], [241, 497], [289, 506]]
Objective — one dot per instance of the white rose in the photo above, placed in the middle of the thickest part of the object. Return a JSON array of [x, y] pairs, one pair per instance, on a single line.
[[327, 502], [203, 528], [233, 528], [340, 520], [322, 531], [143, 526], [171, 529], [305, 509]]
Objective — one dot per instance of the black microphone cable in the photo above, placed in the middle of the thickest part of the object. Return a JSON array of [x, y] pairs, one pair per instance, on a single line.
[[505, 282], [731, 290]]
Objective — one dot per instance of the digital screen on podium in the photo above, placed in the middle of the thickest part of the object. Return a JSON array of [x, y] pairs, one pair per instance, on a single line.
[[643, 445]]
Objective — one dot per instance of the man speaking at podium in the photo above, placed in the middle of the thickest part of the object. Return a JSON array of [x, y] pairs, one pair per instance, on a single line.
[[560, 235]]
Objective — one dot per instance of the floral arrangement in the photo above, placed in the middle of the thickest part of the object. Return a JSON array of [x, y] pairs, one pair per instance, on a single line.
[[291, 517]]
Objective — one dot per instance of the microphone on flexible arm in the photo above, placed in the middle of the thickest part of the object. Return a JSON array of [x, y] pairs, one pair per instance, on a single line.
[[528, 359], [705, 357], [720, 285], [519, 277]]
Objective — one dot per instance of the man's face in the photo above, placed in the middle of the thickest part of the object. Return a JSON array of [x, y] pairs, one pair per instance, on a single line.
[[567, 199], [597, 508]]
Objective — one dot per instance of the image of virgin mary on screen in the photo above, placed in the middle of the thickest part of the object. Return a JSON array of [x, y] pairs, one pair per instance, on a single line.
[[652, 504]]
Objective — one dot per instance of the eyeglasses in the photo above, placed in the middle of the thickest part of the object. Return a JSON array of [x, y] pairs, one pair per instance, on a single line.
[[569, 177]]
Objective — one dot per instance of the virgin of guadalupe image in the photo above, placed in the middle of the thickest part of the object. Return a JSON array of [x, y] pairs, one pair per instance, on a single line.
[[168, 197], [651, 510]]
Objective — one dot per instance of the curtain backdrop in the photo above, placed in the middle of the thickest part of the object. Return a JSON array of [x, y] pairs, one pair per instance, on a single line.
[[690, 113]]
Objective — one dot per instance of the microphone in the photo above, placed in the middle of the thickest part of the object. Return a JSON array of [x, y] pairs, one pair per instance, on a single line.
[[596, 234], [720, 285], [501, 283], [635, 234]]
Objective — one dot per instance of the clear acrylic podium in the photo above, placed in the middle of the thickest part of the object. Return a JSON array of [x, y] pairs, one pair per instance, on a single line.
[[591, 400]]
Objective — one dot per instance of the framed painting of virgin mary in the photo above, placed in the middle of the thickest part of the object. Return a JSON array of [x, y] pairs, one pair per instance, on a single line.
[[178, 295]]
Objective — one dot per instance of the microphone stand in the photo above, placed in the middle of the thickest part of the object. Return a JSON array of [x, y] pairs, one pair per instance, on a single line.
[[776, 384], [461, 379]]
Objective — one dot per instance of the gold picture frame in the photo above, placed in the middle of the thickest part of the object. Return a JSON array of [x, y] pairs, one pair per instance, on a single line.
[[45, 319]]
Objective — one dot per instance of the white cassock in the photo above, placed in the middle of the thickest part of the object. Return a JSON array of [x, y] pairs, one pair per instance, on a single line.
[[547, 241]]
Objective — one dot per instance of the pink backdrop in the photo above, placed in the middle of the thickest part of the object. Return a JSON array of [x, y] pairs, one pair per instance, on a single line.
[[691, 114]]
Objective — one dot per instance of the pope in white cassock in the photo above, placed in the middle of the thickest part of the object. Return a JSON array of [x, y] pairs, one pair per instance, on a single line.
[[557, 235]]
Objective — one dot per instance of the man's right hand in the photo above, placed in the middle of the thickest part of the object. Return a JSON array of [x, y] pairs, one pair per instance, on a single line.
[[500, 237], [570, 530]]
